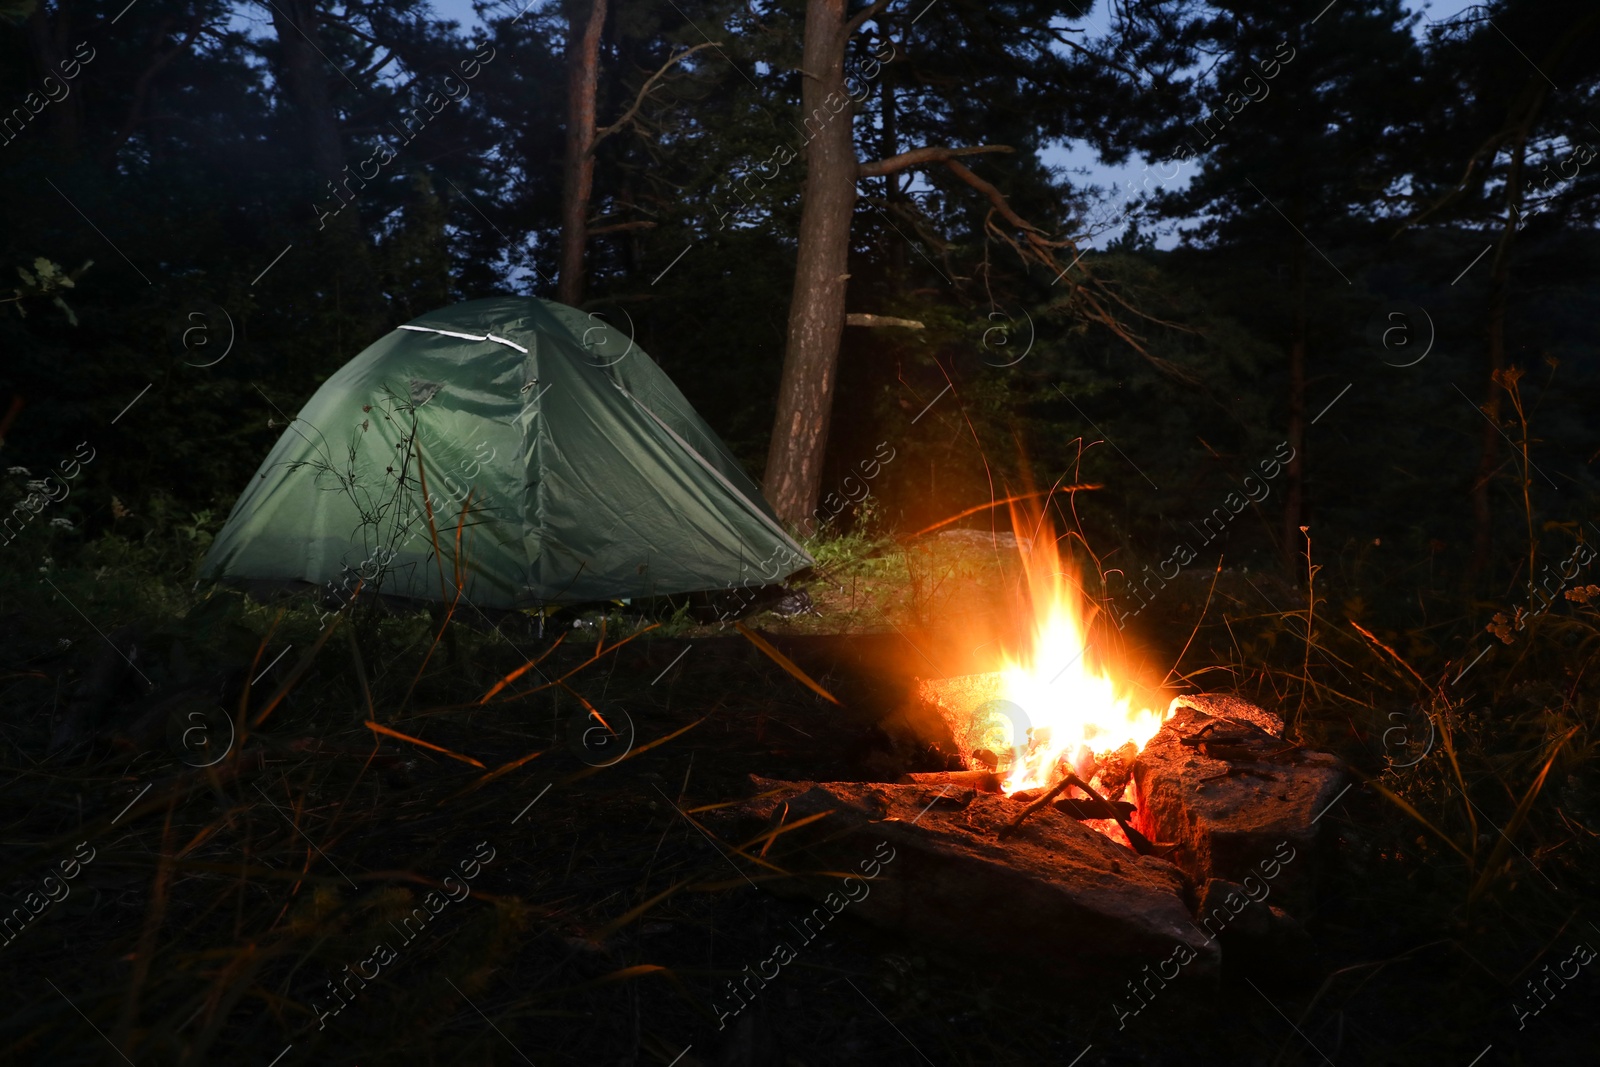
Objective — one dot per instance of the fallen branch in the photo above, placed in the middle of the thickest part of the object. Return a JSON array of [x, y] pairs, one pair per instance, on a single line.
[[1094, 809]]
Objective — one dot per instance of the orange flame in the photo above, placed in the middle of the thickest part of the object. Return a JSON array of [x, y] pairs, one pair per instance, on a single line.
[[1074, 705]]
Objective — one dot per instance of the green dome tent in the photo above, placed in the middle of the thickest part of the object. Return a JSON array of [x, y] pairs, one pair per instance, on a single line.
[[565, 462]]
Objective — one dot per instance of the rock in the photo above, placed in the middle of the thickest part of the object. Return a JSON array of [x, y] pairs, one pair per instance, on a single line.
[[1228, 910], [955, 700], [1231, 707], [1237, 800], [1005, 542], [1253, 932], [1056, 891]]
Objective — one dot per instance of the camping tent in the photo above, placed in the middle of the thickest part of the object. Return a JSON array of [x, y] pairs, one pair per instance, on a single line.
[[564, 461]]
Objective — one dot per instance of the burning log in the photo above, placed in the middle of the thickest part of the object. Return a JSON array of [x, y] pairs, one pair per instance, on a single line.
[[1090, 809], [1116, 769], [1140, 843], [983, 720]]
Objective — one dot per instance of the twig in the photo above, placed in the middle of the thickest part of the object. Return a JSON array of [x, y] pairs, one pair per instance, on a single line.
[[1215, 575], [1055, 790], [650, 83]]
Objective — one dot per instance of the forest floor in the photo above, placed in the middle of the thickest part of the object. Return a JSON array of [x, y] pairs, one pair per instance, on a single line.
[[187, 914]]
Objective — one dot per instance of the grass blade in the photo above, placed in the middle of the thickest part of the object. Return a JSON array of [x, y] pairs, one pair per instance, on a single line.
[[379, 728], [1364, 632], [520, 671], [1518, 817], [361, 671], [492, 775], [1406, 807], [785, 662], [304, 663]]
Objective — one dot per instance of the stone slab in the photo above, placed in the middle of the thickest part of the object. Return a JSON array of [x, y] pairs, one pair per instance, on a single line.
[[1238, 805], [1055, 891]]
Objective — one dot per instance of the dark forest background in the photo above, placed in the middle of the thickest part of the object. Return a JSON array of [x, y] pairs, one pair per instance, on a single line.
[[1398, 218]]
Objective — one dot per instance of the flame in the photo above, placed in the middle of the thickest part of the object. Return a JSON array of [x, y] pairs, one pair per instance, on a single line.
[[1074, 706]]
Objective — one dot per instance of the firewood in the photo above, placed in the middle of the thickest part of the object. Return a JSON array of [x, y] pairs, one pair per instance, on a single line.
[[1090, 809], [1220, 750], [1213, 739], [1116, 768], [1011, 827], [983, 781], [1141, 844]]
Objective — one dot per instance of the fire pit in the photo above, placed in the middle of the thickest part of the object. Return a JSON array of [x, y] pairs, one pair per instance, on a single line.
[[1097, 813]]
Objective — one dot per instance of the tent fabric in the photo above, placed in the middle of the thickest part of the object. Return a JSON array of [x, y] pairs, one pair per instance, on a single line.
[[563, 458]]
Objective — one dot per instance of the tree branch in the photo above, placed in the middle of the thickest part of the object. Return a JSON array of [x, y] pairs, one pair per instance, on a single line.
[[996, 197], [866, 13], [918, 156], [644, 91], [377, 66], [1043, 250], [857, 318]]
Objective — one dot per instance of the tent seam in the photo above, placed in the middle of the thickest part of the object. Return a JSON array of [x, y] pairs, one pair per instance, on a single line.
[[718, 475]]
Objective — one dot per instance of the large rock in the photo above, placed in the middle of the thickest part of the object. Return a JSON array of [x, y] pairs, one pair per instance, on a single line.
[[1251, 931], [1239, 801], [1054, 891], [955, 700]]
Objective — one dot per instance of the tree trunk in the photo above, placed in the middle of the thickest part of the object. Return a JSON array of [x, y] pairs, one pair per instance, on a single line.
[[583, 66], [1295, 476], [1495, 347], [816, 310], [50, 46], [897, 249], [306, 83]]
